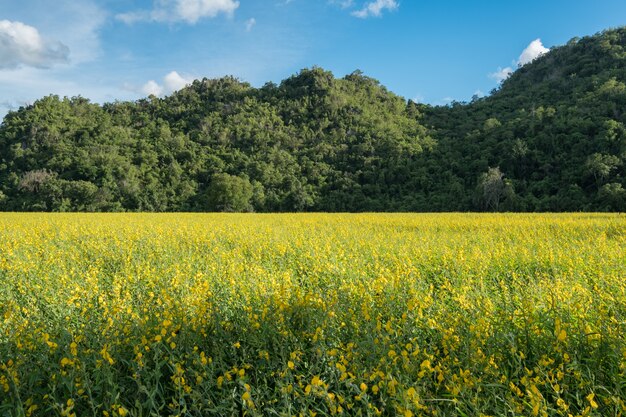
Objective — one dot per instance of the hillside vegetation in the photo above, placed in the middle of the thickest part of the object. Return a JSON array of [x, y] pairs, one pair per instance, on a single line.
[[551, 138]]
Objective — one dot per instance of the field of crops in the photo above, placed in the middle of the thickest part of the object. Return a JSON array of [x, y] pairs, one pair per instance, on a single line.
[[313, 314]]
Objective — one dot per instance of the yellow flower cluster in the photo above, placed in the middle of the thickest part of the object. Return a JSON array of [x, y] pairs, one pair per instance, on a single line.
[[312, 314]]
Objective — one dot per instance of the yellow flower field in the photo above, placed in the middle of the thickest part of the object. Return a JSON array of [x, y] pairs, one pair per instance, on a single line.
[[312, 314]]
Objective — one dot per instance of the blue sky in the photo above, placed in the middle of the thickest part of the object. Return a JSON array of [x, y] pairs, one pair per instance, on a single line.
[[429, 51]]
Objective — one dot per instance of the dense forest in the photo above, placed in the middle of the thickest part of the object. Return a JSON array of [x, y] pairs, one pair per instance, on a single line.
[[552, 137]]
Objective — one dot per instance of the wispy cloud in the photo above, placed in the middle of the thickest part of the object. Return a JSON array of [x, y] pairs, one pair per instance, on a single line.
[[189, 11], [501, 74], [250, 23], [375, 8], [22, 45], [418, 98], [78, 26], [24, 85], [444, 101], [344, 4]]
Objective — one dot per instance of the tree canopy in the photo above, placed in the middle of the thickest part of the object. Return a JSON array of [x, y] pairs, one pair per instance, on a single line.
[[552, 137]]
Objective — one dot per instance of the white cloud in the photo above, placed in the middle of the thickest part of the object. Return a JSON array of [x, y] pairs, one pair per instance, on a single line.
[[189, 11], [375, 8], [22, 45], [501, 74], [74, 24], [192, 10], [152, 88], [250, 24], [171, 82], [174, 81], [532, 51]]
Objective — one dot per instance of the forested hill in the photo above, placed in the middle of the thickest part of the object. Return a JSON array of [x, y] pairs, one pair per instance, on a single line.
[[552, 137], [555, 129]]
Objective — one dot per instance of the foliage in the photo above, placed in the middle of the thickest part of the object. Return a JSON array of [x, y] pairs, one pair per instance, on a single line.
[[556, 129], [229, 193], [312, 143], [492, 188], [227, 314]]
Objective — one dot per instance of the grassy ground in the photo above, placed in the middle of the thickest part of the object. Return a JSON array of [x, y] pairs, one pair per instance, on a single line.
[[373, 314]]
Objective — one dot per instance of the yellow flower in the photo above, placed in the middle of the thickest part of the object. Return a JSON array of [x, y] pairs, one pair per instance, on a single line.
[[105, 355]]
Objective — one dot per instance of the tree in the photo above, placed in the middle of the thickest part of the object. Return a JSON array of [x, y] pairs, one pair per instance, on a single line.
[[33, 181], [600, 166], [493, 189], [230, 193], [614, 196]]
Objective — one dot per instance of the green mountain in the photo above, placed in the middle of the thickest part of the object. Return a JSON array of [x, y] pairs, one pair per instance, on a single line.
[[555, 129], [552, 137]]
